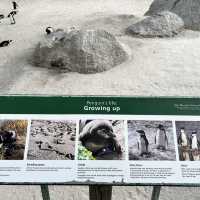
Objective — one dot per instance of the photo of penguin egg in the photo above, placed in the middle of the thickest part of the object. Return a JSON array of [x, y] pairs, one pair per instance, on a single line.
[[52, 140], [12, 139], [151, 140], [188, 138], [101, 140]]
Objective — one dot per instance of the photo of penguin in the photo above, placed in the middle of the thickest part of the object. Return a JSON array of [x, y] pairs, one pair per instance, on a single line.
[[12, 139], [161, 139], [101, 139], [143, 143], [188, 138], [52, 140], [151, 140]]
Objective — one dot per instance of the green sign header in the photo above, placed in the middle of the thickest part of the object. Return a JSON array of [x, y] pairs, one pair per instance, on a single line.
[[99, 105]]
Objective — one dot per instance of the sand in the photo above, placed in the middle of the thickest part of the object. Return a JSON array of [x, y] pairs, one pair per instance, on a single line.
[[160, 67]]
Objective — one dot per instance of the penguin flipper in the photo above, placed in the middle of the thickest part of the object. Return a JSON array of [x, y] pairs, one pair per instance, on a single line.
[[166, 139], [198, 144], [179, 139]]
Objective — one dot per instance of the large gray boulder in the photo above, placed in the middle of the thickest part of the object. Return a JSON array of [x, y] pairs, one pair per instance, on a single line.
[[163, 24], [188, 10], [83, 51]]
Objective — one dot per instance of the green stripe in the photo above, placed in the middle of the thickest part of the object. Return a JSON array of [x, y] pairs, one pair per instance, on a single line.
[[76, 105]]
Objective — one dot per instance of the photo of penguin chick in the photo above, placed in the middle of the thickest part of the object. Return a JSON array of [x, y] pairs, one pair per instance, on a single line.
[[188, 138], [101, 140], [151, 140]]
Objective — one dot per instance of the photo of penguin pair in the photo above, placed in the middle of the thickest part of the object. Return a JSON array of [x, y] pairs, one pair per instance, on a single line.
[[151, 140], [188, 138], [101, 138]]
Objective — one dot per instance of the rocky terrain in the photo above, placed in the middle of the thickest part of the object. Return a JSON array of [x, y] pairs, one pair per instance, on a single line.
[[52, 140]]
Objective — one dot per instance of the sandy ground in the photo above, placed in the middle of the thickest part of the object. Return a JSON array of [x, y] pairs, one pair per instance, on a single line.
[[150, 129], [156, 67]]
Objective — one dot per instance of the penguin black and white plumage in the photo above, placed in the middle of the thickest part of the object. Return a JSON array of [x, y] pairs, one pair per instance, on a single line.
[[7, 140], [49, 30], [99, 138], [183, 138], [15, 5], [1, 17], [11, 16], [8, 136], [5, 43], [161, 139], [143, 143], [183, 141], [195, 146]]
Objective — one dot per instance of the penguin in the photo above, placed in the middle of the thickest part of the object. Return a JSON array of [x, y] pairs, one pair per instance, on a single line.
[[8, 137], [5, 43], [11, 16], [143, 143], [195, 146], [49, 30], [15, 5], [98, 137], [161, 139], [1, 17], [183, 141], [8, 140]]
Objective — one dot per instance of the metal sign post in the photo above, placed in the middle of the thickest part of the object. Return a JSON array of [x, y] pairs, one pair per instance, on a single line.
[[100, 192]]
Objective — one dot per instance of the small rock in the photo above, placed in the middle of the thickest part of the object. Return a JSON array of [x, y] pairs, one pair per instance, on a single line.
[[188, 10], [163, 24]]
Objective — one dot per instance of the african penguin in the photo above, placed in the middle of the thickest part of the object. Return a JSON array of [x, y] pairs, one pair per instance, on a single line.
[[49, 30], [183, 141], [99, 138], [8, 139], [5, 43], [15, 5], [161, 139], [195, 146], [183, 138], [1, 17], [143, 143]]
